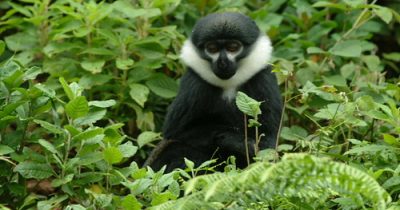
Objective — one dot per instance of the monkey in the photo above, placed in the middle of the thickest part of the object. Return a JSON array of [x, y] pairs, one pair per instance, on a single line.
[[225, 53]]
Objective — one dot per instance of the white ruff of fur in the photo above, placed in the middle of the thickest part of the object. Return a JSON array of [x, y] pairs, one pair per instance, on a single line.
[[247, 67]]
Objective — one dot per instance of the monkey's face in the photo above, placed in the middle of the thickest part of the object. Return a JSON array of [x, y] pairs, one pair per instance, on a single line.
[[226, 49], [223, 55]]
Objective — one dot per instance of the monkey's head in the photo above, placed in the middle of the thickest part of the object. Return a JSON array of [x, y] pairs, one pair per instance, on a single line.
[[226, 49]]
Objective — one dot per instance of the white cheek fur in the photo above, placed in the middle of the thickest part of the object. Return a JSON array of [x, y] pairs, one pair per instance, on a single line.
[[248, 66]]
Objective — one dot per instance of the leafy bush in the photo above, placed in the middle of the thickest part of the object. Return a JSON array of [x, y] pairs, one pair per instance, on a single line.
[[84, 87]]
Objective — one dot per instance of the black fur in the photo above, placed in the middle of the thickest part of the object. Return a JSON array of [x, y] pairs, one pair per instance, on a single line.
[[200, 121], [202, 124], [225, 26]]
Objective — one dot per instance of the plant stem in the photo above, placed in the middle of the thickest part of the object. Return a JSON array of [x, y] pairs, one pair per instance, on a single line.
[[246, 140]]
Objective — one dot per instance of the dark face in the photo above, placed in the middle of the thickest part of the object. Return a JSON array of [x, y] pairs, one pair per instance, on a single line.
[[223, 55], [223, 39]]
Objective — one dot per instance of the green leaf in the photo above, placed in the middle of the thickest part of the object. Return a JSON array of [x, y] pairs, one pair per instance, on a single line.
[[330, 5], [5, 150], [112, 155], [128, 9], [34, 170], [48, 92], [102, 104], [139, 93], [163, 86], [88, 134], [350, 48], [253, 123], [392, 56], [247, 105], [78, 107], [62, 181], [147, 137], [90, 118], [189, 163], [347, 70], [163, 197], [355, 3], [131, 203], [124, 64], [127, 149], [294, 133], [94, 66], [48, 146], [373, 62], [315, 50], [336, 80], [31, 73], [383, 13], [50, 127], [2, 46], [67, 89]]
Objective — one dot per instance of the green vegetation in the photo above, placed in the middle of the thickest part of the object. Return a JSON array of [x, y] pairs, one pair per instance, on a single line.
[[84, 87]]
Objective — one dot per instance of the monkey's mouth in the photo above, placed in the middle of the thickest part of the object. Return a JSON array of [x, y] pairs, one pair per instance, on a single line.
[[224, 75]]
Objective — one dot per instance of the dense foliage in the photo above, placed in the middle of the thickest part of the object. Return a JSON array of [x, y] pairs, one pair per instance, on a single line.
[[84, 87]]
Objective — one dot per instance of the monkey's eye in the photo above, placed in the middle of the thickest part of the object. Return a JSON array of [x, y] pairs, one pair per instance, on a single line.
[[212, 48], [233, 46]]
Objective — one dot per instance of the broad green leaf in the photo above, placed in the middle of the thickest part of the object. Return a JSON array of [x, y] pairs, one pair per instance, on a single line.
[[98, 51], [350, 48], [163, 86], [88, 134], [355, 3], [336, 80], [159, 198], [90, 158], [131, 203], [94, 66], [48, 146], [112, 137], [147, 137], [129, 10], [347, 70], [294, 133], [47, 91], [34, 170], [127, 149], [32, 72], [139, 74], [67, 89], [50, 127], [315, 50], [373, 62], [112, 155], [383, 13], [247, 105], [102, 104], [330, 5], [21, 41], [124, 64], [62, 181], [4, 150], [139, 93], [90, 118], [78, 107]]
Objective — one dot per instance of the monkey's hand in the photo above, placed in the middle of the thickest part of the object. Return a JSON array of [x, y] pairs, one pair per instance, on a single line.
[[235, 143]]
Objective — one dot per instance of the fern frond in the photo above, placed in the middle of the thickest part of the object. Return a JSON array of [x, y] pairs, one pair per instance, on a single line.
[[309, 178]]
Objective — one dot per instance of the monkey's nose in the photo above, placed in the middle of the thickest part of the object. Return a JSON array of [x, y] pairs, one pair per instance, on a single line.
[[222, 65]]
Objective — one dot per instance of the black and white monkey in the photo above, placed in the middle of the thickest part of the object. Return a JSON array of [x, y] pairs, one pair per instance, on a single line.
[[226, 53]]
